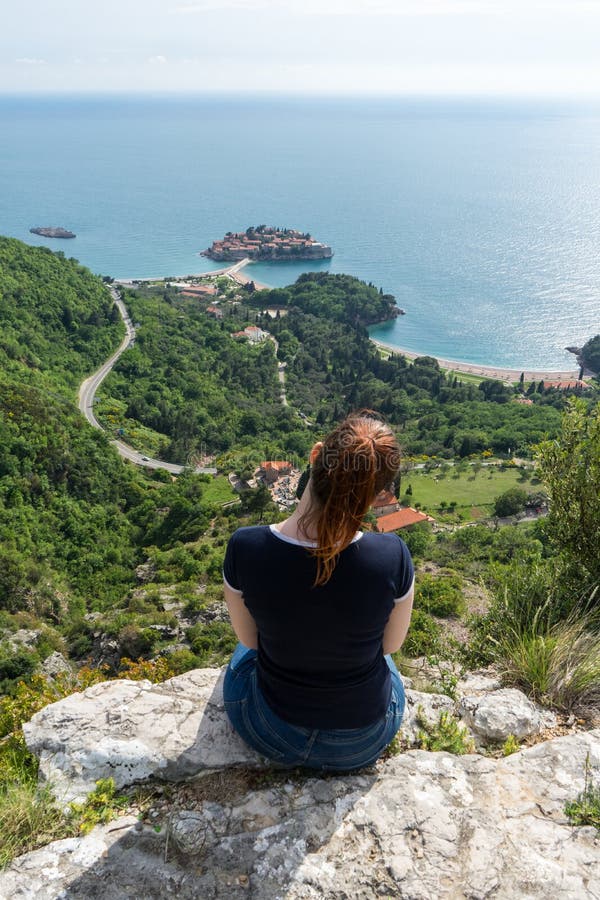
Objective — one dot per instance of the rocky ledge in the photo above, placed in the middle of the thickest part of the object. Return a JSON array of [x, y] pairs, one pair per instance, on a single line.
[[418, 825]]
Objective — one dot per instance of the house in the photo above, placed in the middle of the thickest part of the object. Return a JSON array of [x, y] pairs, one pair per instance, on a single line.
[[253, 333], [273, 469], [566, 385], [402, 518], [215, 311], [385, 502]]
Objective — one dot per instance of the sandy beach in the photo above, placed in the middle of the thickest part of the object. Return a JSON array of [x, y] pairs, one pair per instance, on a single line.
[[241, 278], [500, 374]]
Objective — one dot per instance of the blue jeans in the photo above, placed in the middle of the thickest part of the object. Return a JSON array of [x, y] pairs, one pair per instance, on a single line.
[[333, 750]]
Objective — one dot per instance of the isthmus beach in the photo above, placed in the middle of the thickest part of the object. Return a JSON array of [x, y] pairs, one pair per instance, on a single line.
[[507, 375]]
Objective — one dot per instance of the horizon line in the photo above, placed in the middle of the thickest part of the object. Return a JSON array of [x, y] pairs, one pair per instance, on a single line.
[[241, 95]]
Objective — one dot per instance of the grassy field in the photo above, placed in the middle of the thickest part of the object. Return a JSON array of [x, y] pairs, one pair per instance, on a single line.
[[465, 377], [473, 491], [218, 490]]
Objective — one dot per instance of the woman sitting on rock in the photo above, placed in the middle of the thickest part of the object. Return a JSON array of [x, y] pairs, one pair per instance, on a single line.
[[318, 605]]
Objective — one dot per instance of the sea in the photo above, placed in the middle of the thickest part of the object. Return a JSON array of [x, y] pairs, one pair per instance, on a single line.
[[482, 217]]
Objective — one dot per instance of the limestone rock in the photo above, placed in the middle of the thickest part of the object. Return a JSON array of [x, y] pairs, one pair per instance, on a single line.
[[146, 572], [425, 826], [494, 716], [478, 683], [54, 665], [131, 730], [24, 639]]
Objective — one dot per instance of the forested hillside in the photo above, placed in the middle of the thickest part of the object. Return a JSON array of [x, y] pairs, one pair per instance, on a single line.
[[189, 388], [190, 384], [75, 521], [56, 319]]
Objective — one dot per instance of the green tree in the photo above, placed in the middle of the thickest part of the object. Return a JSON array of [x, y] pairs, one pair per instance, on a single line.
[[510, 502], [590, 354], [570, 469]]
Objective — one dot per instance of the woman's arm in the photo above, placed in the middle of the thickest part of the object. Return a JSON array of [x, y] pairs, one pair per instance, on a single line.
[[398, 622], [242, 622]]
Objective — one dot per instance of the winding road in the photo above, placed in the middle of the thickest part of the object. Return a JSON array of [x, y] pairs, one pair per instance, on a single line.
[[88, 390]]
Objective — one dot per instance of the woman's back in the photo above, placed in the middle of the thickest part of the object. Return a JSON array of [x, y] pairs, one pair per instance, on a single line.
[[320, 661]]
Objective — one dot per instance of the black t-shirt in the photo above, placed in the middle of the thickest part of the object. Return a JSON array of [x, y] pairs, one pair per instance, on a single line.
[[320, 649]]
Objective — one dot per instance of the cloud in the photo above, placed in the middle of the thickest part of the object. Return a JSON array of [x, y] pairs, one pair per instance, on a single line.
[[344, 7], [396, 8], [157, 60], [30, 61]]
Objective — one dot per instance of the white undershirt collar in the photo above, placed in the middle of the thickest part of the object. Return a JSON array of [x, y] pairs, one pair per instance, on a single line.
[[291, 540]]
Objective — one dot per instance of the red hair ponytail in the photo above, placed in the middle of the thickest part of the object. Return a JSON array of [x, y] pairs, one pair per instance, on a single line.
[[355, 462]]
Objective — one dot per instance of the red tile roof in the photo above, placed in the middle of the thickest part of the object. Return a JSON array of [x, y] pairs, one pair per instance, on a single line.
[[565, 385], [401, 519], [384, 498], [206, 289], [277, 464]]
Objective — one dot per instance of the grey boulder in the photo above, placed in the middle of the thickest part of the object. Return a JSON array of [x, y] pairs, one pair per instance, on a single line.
[[133, 730], [493, 717]]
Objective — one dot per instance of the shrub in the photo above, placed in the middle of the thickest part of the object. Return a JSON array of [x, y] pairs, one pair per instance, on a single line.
[[585, 809], [15, 665], [446, 734], [525, 599], [557, 664], [423, 635], [440, 596], [510, 746], [154, 670], [80, 646], [101, 806], [213, 643], [135, 642], [446, 679], [183, 660], [417, 538]]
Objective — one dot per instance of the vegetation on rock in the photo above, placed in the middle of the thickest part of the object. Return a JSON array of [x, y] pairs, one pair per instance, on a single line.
[[585, 809], [445, 734]]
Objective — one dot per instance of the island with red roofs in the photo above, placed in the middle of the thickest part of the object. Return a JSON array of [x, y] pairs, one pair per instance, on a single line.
[[264, 242]]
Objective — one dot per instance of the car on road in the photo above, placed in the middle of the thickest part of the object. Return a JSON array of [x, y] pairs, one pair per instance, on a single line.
[[145, 459]]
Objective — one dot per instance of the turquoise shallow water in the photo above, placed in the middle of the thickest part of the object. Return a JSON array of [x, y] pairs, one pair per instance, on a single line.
[[482, 219]]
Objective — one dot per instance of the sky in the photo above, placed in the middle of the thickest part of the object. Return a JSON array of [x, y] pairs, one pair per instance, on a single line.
[[328, 47]]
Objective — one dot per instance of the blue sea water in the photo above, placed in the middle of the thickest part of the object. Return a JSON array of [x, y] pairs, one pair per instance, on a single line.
[[483, 218]]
